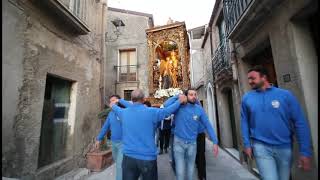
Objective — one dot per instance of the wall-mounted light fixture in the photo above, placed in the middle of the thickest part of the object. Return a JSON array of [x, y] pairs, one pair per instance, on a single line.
[[118, 23]]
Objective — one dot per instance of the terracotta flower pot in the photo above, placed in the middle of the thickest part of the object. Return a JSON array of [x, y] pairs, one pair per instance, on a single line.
[[97, 161]]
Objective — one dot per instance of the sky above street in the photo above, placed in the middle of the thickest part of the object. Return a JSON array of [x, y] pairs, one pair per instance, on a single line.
[[194, 12]]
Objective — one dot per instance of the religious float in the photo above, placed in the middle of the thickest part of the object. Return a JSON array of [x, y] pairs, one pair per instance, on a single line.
[[168, 47]]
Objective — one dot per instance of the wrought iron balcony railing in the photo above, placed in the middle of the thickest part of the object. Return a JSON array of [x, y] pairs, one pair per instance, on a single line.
[[221, 60], [233, 11], [127, 73]]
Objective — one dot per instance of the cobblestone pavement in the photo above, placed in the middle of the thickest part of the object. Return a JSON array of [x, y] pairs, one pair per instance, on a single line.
[[224, 167]]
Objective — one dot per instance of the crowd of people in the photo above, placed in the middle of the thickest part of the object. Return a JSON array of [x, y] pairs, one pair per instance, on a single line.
[[270, 116]]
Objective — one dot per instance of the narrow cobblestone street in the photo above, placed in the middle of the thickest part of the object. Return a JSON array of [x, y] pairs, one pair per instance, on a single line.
[[223, 168], [84, 80]]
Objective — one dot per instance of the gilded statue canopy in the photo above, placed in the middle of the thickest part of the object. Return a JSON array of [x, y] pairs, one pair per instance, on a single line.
[[168, 57]]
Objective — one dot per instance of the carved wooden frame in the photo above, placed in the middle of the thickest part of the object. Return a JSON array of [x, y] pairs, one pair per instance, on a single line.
[[175, 32]]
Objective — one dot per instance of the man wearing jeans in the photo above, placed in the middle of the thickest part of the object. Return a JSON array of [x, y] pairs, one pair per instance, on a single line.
[[138, 130], [113, 123], [188, 120], [269, 118]]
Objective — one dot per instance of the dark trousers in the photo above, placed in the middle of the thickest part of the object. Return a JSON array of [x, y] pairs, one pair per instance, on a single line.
[[173, 164], [200, 157], [164, 138], [132, 168]]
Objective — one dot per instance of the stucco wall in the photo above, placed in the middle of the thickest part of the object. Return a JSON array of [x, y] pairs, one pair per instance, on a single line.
[[12, 76], [133, 36], [197, 62], [37, 44]]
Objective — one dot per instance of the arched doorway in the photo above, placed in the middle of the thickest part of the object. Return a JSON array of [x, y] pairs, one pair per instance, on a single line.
[[212, 110]]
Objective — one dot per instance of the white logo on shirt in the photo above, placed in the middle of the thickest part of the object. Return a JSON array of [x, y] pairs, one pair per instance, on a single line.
[[195, 117], [275, 104]]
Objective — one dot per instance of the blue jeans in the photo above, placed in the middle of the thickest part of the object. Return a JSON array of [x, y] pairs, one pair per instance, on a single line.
[[133, 168], [117, 157], [273, 162], [185, 155]]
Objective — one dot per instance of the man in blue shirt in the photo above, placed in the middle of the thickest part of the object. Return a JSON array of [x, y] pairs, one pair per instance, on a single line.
[[188, 120], [270, 117], [138, 131], [113, 123]]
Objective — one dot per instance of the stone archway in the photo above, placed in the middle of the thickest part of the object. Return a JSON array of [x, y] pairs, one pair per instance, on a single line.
[[212, 108]]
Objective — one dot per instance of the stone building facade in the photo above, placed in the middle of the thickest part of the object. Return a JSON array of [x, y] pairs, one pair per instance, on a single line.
[[201, 71], [127, 53], [226, 86], [53, 84], [284, 38], [217, 87]]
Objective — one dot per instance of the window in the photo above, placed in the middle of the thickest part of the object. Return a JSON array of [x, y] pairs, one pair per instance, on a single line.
[[127, 68], [55, 127], [222, 31], [127, 94], [73, 6], [76, 7]]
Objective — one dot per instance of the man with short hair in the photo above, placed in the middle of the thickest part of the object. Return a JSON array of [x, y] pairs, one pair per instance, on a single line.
[[138, 128], [270, 117], [113, 123], [188, 119]]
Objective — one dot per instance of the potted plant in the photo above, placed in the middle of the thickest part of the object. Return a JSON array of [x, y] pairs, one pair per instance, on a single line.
[[98, 159]]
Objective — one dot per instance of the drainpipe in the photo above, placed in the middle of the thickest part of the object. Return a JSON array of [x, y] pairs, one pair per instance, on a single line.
[[215, 100], [102, 85], [235, 78], [211, 48], [191, 59], [235, 67]]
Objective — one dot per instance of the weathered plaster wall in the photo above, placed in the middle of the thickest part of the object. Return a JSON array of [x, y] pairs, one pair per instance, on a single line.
[[37, 44], [133, 36]]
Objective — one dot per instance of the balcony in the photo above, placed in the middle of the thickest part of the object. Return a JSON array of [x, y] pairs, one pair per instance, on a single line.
[[243, 16], [233, 10], [127, 73], [221, 66], [68, 15]]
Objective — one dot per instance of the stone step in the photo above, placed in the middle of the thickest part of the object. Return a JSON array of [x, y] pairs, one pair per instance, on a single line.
[[77, 174]]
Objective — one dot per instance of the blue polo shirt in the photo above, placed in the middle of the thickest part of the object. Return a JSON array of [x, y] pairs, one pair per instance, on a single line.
[[113, 123], [138, 128], [189, 120], [273, 116]]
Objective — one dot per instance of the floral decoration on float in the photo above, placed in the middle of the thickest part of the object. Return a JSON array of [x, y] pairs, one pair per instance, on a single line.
[[165, 93]]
